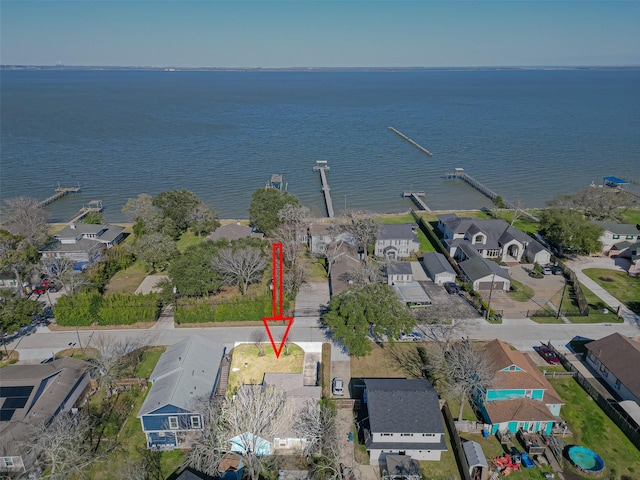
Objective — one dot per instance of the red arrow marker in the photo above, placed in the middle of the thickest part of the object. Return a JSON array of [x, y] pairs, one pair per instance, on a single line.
[[276, 300]]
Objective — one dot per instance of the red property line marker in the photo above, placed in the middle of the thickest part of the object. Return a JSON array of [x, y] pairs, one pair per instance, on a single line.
[[276, 299]]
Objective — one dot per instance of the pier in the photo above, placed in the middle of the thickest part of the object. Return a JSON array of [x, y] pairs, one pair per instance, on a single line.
[[60, 192], [92, 206], [415, 196], [415, 144], [321, 166], [459, 173]]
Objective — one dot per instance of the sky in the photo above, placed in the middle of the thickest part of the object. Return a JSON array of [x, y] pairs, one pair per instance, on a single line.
[[295, 34]]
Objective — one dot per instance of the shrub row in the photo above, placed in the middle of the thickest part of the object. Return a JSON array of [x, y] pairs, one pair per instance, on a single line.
[[89, 308], [202, 310]]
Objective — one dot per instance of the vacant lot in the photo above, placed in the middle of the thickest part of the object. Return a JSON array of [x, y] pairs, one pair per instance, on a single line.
[[126, 281], [247, 366], [619, 284], [398, 361]]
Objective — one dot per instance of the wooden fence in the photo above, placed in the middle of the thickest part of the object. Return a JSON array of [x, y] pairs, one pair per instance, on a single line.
[[456, 443]]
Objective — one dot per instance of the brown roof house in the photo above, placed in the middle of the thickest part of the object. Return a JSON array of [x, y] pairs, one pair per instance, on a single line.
[[519, 396], [233, 231], [616, 359]]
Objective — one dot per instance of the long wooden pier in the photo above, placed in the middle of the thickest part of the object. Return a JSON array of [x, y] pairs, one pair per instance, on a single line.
[[322, 167], [92, 206], [415, 196], [60, 192], [459, 173], [415, 144]]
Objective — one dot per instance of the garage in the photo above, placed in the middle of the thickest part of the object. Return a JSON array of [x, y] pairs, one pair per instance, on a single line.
[[487, 285]]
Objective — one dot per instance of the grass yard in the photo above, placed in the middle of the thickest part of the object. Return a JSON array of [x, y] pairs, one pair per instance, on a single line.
[[446, 468], [318, 272], [399, 361], [248, 367], [523, 292], [425, 244], [148, 361], [188, 239], [631, 215], [127, 280], [619, 284], [593, 429]]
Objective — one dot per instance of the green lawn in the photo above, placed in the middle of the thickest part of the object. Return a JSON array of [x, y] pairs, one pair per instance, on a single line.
[[248, 367], [523, 292], [631, 215], [127, 280], [619, 284], [188, 239], [593, 429], [570, 307]]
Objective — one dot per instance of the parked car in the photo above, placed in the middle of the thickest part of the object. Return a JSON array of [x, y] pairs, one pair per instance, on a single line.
[[546, 270], [451, 288], [410, 337], [556, 270], [548, 354], [337, 386]]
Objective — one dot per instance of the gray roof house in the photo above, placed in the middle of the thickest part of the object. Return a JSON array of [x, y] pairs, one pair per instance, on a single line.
[[613, 233], [83, 242], [233, 231], [438, 268], [493, 238], [485, 274], [397, 241], [616, 360], [399, 272], [186, 371], [321, 237], [404, 418], [32, 394]]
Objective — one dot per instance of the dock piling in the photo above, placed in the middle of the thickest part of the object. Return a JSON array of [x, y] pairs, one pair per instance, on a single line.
[[415, 144]]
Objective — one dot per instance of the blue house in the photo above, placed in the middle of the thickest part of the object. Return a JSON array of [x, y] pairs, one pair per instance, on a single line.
[[186, 371], [519, 396]]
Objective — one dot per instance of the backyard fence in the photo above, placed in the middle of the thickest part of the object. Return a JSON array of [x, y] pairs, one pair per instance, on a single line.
[[583, 305], [628, 429], [456, 443]]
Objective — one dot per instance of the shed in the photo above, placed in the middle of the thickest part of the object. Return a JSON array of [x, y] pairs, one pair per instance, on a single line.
[[438, 268], [478, 467]]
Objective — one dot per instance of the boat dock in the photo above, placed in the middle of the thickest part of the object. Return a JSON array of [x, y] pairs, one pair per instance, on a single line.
[[415, 144], [321, 166], [459, 173], [415, 196], [60, 192], [92, 206]]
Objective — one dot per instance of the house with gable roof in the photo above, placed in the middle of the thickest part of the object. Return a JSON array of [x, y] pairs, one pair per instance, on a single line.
[[615, 233], [83, 242], [518, 396], [403, 418], [616, 359], [397, 241], [186, 371]]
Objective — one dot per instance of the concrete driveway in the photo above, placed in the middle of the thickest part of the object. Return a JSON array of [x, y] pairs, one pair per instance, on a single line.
[[312, 299]]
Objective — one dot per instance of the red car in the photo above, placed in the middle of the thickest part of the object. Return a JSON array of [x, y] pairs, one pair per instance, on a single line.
[[548, 354]]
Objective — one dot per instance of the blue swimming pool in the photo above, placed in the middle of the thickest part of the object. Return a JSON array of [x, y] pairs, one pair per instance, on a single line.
[[585, 459]]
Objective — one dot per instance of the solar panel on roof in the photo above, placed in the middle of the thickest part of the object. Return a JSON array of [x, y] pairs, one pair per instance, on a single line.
[[20, 391], [14, 402], [6, 414]]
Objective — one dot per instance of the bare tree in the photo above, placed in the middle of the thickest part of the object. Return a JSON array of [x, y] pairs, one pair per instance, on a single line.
[[316, 423], [114, 357], [462, 370], [438, 326], [25, 218], [363, 227], [210, 445], [141, 211], [258, 337], [240, 266], [291, 228], [251, 417], [59, 269], [517, 212], [365, 273], [64, 445]]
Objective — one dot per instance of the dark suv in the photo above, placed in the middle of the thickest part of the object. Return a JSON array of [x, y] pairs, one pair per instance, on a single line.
[[451, 288]]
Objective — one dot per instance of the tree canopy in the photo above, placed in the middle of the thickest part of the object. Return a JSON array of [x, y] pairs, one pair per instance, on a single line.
[[191, 272], [596, 203], [373, 309], [570, 230], [265, 205]]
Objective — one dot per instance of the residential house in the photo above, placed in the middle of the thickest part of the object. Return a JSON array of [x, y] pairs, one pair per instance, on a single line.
[[233, 231], [616, 359], [34, 394], [438, 268], [344, 261], [83, 242], [518, 396], [297, 395], [186, 371], [400, 276], [399, 272], [492, 238], [321, 237], [403, 418], [613, 233], [397, 241], [485, 274]]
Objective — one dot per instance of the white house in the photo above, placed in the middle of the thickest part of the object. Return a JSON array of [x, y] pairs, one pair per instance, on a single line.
[[438, 268], [616, 359], [397, 241], [83, 242], [399, 272], [404, 418], [320, 237], [613, 233], [493, 238]]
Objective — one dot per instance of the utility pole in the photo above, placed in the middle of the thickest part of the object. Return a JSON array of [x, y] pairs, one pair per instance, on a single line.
[[493, 279], [561, 300]]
